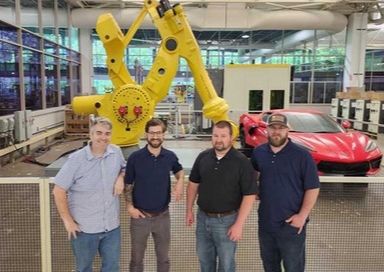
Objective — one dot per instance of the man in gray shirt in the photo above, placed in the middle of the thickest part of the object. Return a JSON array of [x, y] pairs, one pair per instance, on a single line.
[[86, 195]]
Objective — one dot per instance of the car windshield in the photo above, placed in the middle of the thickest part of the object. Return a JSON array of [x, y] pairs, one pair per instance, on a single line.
[[312, 123]]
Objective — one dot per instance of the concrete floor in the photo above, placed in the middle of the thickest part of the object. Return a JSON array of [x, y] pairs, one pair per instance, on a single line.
[[344, 234]]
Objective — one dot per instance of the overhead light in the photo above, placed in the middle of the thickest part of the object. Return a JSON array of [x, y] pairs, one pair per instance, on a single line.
[[245, 36]]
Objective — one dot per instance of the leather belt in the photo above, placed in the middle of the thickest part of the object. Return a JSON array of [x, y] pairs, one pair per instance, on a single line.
[[153, 214], [219, 214]]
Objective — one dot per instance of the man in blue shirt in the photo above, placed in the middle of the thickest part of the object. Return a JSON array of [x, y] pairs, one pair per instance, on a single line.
[[86, 195], [148, 193], [288, 190]]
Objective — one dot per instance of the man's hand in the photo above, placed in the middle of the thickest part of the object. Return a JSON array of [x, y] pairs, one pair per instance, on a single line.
[[178, 191], [189, 218], [71, 228], [135, 213], [118, 188], [297, 221], [235, 232]]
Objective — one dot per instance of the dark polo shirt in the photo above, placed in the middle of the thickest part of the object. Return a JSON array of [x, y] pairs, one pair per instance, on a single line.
[[284, 178], [150, 176], [224, 182]]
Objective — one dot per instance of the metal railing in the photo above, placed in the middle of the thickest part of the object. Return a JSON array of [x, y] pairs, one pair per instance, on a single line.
[[344, 234]]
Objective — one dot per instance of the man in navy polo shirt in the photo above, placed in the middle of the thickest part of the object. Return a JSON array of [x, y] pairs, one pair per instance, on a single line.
[[148, 193], [288, 190]]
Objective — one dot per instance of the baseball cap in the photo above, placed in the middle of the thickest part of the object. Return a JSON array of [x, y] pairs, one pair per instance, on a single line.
[[277, 119]]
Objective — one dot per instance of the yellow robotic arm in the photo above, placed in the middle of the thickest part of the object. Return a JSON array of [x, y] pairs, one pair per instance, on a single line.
[[131, 105]]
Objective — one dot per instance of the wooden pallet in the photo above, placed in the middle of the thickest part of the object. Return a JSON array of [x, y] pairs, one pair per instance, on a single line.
[[75, 123]]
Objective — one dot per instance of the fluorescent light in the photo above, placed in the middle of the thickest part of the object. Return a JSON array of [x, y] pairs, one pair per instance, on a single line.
[[245, 36]]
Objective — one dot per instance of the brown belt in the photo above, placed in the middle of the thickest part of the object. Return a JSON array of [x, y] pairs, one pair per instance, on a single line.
[[153, 214], [219, 214]]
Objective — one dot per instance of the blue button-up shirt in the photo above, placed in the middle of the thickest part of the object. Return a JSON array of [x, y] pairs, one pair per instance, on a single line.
[[89, 182]]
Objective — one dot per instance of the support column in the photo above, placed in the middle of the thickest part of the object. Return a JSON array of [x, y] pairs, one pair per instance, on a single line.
[[354, 65], [85, 43]]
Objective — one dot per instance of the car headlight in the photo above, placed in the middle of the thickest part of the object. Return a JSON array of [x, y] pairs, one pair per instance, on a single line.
[[303, 146], [371, 145]]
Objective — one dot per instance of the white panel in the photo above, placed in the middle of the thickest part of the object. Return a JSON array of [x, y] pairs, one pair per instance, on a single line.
[[355, 50], [8, 15], [375, 115], [240, 79], [11, 124], [28, 124], [45, 119], [19, 126], [3, 125]]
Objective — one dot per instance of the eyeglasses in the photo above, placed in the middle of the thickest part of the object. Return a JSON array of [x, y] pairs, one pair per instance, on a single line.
[[155, 133]]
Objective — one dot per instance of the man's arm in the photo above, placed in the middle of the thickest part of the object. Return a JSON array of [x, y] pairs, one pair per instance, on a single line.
[[178, 190], [70, 225], [298, 220], [235, 232], [132, 211], [118, 188], [192, 190]]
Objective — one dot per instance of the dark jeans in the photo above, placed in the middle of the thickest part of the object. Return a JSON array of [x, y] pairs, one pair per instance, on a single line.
[[86, 246], [141, 228], [284, 245]]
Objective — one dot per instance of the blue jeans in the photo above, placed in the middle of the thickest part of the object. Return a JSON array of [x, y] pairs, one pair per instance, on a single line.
[[213, 243], [284, 245], [86, 246]]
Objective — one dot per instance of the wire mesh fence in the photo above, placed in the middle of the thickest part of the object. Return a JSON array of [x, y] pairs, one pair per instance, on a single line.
[[20, 243], [344, 233]]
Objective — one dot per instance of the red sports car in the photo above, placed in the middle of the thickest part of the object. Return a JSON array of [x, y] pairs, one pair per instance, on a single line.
[[334, 149]]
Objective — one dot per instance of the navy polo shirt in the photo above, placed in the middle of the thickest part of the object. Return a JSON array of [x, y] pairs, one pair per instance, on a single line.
[[284, 178], [150, 176], [222, 182]]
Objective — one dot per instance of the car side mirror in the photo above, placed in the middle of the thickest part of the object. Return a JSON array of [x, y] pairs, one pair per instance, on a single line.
[[346, 124], [262, 125]]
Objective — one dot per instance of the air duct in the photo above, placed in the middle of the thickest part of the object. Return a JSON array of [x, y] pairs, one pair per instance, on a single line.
[[229, 16]]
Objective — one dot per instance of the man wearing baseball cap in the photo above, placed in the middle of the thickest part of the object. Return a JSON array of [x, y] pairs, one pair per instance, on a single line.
[[277, 119], [288, 190]]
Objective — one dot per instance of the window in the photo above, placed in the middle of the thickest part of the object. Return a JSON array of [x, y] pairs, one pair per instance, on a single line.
[[9, 79], [32, 79]]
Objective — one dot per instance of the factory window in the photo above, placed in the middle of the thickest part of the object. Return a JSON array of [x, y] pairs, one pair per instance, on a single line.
[[51, 81], [64, 37], [9, 79], [7, 32], [255, 100], [50, 47], [299, 92], [32, 79], [64, 83], [75, 39], [31, 40], [76, 85]]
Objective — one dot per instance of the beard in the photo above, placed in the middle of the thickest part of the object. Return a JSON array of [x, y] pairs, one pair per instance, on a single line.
[[221, 147], [277, 142], [155, 143]]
